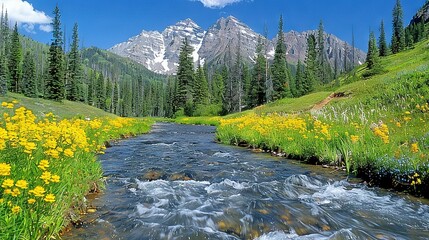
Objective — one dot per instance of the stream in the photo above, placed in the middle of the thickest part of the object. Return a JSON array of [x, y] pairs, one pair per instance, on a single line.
[[177, 183]]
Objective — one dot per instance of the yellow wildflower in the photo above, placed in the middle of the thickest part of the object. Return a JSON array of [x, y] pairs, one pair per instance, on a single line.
[[68, 152], [50, 198], [22, 184], [7, 183], [354, 138], [15, 192], [4, 169], [55, 178], [407, 112], [1, 200], [414, 148], [31, 201], [16, 209], [38, 191], [44, 164], [46, 177], [4, 104]]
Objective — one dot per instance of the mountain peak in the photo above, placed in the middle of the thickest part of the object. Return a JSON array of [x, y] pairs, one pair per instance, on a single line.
[[187, 22]]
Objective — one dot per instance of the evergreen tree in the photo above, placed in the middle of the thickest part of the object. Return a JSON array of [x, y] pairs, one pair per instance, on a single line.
[[257, 86], [382, 44], [185, 75], [55, 81], [74, 86], [372, 57], [409, 38], [218, 88], [100, 93], [279, 69], [115, 99], [169, 105], [5, 32], [201, 89], [91, 98], [15, 62], [323, 67], [29, 76], [3, 75], [299, 80], [398, 34], [310, 68]]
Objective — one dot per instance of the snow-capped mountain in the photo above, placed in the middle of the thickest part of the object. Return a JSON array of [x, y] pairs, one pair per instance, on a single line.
[[159, 52]]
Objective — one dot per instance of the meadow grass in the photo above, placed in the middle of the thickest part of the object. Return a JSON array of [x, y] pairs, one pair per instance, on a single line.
[[48, 165]]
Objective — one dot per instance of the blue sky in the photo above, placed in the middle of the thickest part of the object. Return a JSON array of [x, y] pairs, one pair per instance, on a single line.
[[103, 23]]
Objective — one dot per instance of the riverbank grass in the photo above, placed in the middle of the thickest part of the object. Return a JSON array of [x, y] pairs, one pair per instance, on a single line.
[[47, 166], [375, 127]]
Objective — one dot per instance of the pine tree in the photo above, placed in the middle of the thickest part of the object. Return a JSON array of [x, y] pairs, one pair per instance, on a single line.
[[409, 39], [372, 58], [5, 32], [185, 75], [299, 79], [201, 90], [55, 81], [15, 62], [29, 76], [257, 85], [115, 99], [218, 88], [279, 69], [310, 66], [100, 93], [398, 34], [382, 44], [3, 75], [74, 86], [323, 67]]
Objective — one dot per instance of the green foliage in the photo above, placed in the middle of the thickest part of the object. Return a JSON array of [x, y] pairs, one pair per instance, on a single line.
[[29, 87], [310, 66], [200, 88], [372, 57], [398, 33], [3, 75], [15, 62], [185, 75], [280, 73], [257, 94], [55, 81], [382, 44], [74, 88]]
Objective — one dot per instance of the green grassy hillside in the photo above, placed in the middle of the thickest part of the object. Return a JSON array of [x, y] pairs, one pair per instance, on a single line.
[[64, 109]]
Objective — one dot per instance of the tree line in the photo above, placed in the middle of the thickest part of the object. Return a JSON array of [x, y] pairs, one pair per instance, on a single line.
[[90, 75], [402, 39]]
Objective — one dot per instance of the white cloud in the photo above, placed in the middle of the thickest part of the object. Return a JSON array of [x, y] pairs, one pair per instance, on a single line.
[[217, 3], [24, 13], [46, 28]]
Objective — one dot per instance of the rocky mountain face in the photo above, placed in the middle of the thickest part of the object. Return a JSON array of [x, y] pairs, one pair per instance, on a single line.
[[422, 15], [218, 45]]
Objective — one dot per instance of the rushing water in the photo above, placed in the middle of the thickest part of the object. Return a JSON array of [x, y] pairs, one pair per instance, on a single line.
[[205, 190]]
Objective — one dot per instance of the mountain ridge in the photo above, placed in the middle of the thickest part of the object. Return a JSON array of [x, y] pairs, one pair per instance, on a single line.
[[159, 51]]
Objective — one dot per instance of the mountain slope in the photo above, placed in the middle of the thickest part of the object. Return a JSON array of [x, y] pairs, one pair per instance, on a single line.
[[218, 45]]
